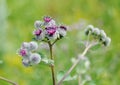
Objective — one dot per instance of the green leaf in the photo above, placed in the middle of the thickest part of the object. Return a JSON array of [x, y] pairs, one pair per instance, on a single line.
[[48, 61], [96, 47], [62, 73], [41, 54]]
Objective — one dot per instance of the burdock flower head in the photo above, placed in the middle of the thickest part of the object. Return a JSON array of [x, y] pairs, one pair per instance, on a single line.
[[48, 29], [27, 52], [39, 34], [45, 30], [38, 24], [51, 32], [23, 52], [47, 19], [62, 31], [49, 22], [35, 58]]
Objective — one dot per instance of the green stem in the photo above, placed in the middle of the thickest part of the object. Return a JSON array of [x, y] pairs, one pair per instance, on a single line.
[[7, 80], [75, 63], [79, 79], [52, 66]]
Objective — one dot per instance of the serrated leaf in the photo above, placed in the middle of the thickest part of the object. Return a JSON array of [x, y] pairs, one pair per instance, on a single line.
[[62, 73]]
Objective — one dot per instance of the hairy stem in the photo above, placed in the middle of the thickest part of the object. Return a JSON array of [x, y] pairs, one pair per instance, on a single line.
[[75, 63], [52, 66], [7, 80]]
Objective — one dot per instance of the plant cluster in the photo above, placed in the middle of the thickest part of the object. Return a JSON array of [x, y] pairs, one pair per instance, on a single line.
[[49, 32]]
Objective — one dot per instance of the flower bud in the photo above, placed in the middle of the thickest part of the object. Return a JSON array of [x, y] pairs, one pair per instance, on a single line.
[[23, 52], [33, 45], [47, 19], [107, 41], [25, 45], [39, 34], [51, 23], [38, 24], [89, 29], [26, 62], [102, 34], [35, 58], [96, 32], [62, 31]]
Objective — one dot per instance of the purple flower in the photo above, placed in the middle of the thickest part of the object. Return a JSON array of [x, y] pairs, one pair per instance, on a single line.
[[47, 19], [23, 52], [37, 32], [50, 31]]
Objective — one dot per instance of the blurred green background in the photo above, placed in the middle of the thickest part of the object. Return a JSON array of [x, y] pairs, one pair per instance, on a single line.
[[16, 25]]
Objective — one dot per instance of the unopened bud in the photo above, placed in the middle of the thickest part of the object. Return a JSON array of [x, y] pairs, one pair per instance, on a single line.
[[33, 45], [35, 58], [38, 23], [89, 29], [107, 41]]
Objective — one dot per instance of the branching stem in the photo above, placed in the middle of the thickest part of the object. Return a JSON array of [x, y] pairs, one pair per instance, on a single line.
[[7, 80], [76, 62]]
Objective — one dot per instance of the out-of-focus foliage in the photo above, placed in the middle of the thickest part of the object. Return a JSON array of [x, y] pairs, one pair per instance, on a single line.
[[16, 25]]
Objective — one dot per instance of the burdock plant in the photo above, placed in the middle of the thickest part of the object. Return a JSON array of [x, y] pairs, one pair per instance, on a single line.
[[49, 32], [46, 31]]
